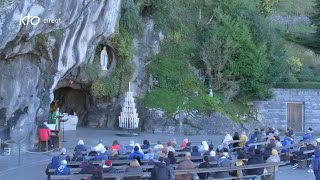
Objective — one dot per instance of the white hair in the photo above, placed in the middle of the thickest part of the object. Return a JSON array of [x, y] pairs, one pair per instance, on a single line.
[[64, 162], [137, 144], [63, 150], [97, 148], [103, 150], [131, 142], [80, 142], [205, 145]]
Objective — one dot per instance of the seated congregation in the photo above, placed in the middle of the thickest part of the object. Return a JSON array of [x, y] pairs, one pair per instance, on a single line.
[[186, 161]]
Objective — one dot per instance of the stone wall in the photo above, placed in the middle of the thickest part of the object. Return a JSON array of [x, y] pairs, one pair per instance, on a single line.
[[273, 112]]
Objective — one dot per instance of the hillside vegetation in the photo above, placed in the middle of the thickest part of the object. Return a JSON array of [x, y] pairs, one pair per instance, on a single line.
[[239, 53]]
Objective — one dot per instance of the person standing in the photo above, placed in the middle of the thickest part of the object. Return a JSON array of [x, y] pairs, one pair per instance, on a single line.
[[315, 161], [44, 135]]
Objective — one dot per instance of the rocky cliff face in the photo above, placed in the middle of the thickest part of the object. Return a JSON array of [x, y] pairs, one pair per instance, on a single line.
[[37, 56], [39, 60]]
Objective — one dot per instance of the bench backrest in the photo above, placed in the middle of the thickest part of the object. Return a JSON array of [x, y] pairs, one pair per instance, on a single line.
[[73, 176]]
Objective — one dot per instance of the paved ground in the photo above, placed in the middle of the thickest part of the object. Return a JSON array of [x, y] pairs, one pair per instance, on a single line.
[[32, 165]]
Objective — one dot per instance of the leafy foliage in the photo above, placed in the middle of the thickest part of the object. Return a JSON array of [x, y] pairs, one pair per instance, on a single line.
[[266, 6], [231, 41], [294, 63], [91, 71], [117, 81]]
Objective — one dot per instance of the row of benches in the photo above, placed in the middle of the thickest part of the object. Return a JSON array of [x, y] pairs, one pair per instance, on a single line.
[[146, 175], [126, 161]]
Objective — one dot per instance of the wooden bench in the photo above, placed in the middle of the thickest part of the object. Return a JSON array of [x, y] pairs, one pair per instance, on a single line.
[[302, 163], [119, 176], [257, 144], [228, 169], [73, 176], [122, 162]]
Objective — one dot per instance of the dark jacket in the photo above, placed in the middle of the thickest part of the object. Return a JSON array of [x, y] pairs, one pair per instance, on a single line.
[[136, 153], [223, 162], [256, 159], [80, 147], [100, 157], [235, 138], [77, 158], [144, 146], [110, 169], [53, 165], [63, 157], [160, 171], [171, 172], [204, 175], [195, 151], [299, 154], [133, 170], [268, 150], [96, 171]]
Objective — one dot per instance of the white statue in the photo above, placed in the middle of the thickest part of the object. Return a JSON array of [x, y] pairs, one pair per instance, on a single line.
[[57, 118], [210, 93], [104, 59]]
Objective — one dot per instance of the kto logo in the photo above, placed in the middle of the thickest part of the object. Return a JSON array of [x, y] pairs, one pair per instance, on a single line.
[[33, 20]]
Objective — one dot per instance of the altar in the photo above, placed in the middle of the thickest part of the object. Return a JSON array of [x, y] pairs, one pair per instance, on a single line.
[[65, 122]]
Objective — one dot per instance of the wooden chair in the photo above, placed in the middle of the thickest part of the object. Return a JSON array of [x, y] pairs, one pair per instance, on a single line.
[[41, 144]]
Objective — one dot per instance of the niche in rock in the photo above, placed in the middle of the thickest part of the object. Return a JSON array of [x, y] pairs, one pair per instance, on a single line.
[[147, 9], [72, 101]]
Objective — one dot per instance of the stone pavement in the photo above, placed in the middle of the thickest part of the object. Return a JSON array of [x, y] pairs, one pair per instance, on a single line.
[[33, 165]]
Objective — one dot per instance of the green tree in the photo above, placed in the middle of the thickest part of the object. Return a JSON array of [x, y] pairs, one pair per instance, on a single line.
[[315, 19]]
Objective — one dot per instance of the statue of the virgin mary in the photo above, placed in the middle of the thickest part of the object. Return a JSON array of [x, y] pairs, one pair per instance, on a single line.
[[104, 59]]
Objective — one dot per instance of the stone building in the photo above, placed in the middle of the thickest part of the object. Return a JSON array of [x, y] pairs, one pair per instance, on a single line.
[[296, 108]]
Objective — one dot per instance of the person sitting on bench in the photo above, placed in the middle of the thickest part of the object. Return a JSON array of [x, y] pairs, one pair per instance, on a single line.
[[205, 164], [136, 152], [307, 135], [134, 167], [63, 169], [108, 168], [96, 171], [186, 164], [256, 159], [222, 161], [298, 155], [78, 156], [80, 146], [63, 155]]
